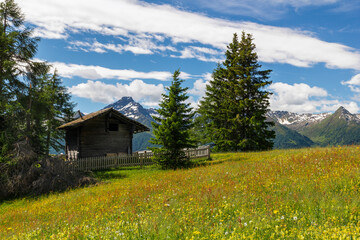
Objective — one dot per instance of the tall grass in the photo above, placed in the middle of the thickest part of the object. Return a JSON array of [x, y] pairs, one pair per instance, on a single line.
[[290, 194]]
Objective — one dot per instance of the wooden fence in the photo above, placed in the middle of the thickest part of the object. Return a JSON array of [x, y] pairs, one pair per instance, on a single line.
[[137, 159]]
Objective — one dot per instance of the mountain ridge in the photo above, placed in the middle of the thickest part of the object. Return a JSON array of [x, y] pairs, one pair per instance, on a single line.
[[293, 130]]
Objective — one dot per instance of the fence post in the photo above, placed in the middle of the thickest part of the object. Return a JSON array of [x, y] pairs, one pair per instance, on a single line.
[[142, 160], [208, 152]]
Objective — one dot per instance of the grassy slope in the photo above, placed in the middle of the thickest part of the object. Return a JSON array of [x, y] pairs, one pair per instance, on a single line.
[[141, 141], [288, 138], [310, 193], [333, 131]]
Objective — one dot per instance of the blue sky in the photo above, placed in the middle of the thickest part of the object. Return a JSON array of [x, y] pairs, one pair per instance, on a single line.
[[107, 49]]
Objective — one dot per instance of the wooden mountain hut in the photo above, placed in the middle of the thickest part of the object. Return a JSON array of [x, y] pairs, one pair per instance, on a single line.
[[102, 133]]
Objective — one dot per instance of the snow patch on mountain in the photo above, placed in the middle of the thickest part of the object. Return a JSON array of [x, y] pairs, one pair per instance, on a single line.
[[153, 112], [342, 113], [134, 110], [289, 118]]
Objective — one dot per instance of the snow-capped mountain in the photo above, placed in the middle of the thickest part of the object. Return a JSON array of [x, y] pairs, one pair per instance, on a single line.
[[346, 115], [153, 112], [296, 121], [134, 110]]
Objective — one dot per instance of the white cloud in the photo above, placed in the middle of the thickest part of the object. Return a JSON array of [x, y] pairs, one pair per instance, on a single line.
[[331, 106], [121, 17], [301, 3], [197, 92], [135, 44], [193, 102], [148, 94], [262, 9], [200, 53], [199, 88], [353, 83], [207, 76], [355, 80], [302, 98], [97, 72]]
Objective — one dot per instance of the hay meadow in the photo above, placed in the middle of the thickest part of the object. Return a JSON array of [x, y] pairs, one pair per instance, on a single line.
[[280, 194]]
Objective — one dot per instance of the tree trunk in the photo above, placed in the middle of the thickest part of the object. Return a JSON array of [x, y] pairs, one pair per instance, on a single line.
[[48, 136]]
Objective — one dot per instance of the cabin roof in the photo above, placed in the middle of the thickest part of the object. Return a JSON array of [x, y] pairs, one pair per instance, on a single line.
[[139, 127]]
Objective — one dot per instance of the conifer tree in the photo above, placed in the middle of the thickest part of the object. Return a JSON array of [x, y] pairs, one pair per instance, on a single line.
[[172, 128], [236, 102], [17, 48], [32, 100], [59, 109], [47, 103]]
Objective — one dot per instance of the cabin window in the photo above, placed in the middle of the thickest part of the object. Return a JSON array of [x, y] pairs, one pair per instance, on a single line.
[[114, 127]]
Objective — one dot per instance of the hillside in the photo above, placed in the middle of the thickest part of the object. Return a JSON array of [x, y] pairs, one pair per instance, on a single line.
[[288, 138], [340, 128], [292, 194]]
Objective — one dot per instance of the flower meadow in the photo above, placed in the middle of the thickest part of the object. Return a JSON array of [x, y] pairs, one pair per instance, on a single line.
[[279, 194]]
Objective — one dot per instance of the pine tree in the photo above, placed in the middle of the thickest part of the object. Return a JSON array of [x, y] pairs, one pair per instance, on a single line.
[[172, 128], [235, 103]]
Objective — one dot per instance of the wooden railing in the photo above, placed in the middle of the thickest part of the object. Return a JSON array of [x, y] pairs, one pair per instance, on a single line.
[[137, 159]]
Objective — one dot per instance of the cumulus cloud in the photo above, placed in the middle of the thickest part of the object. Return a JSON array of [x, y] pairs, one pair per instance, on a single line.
[[207, 76], [98, 72], [126, 18], [353, 84], [147, 94], [333, 105], [302, 98], [355, 80], [199, 88]]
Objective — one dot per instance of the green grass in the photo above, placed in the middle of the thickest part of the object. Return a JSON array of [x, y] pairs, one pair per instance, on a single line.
[[280, 194]]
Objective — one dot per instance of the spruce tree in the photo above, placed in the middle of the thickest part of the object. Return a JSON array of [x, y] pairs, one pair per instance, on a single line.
[[32, 99], [171, 130], [236, 102], [17, 48], [59, 109], [47, 103]]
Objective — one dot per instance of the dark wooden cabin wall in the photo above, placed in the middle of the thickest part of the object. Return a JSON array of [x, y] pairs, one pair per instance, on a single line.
[[95, 140], [72, 143]]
